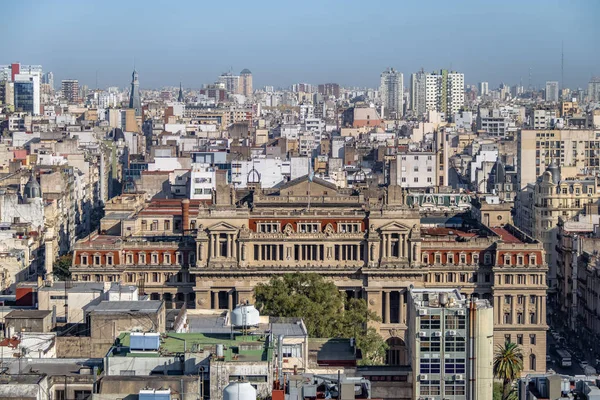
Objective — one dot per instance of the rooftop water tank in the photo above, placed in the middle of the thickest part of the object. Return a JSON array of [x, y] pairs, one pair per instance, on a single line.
[[239, 391], [245, 315]]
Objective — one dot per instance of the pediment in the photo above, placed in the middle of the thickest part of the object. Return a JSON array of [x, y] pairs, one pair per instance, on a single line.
[[394, 226], [222, 227]]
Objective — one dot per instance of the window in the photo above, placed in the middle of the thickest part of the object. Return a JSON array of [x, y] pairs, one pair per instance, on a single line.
[[507, 299], [59, 395], [520, 299], [450, 257], [142, 257], [416, 180], [109, 260], [96, 260], [532, 338], [154, 258], [438, 258], [454, 365], [507, 259], [309, 227], [84, 260], [520, 319], [532, 361], [349, 227], [532, 318], [487, 259], [438, 277], [267, 227], [532, 259], [507, 338], [167, 225], [506, 318], [167, 258], [519, 339], [451, 277], [463, 258], [129, 258], [519, 260]]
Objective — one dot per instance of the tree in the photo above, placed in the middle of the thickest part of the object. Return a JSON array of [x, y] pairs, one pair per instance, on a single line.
[[62, 267], [326, 311], [508, 364]]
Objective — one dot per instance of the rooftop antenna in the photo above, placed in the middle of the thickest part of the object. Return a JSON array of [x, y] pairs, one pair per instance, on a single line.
[[562, 66], [530, 88]]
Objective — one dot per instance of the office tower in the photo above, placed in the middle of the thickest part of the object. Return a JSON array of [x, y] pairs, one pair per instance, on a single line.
[[594, 89], [231, 82], [451, 342], [329, 89], [484, 88], [70, 90], [48, 79], [180, 95], [418, 91], [245, 82], [445, 92], [7, 93], [134, 97], [24, 96], [552, 91], [391, 92], [27, 92]]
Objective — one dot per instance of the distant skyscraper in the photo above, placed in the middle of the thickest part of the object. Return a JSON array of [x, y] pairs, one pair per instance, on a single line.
[[391, 92], [484, 88], [180, 96], [445, 92], [552, 91], [134, 97], [70, 90], [246, 82], [48, 79], [594, 89], [418, 92], [329, 89], [24, 96], [231, 82]]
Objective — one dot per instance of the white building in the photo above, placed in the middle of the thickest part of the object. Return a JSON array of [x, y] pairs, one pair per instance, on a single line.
[[35, 80], [414, 170], [445, 92], [552, 91], [267, 171], [484, 88], [202, 181], [392, 91]]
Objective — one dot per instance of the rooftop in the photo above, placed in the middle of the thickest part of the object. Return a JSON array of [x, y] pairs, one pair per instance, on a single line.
[[150, 306], [28, 314]]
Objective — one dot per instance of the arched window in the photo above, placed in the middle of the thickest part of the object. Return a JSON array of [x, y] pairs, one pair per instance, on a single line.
[[396, 353], [532, 362]]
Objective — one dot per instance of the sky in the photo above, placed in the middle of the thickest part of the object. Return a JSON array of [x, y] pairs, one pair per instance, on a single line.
[[315, 41]]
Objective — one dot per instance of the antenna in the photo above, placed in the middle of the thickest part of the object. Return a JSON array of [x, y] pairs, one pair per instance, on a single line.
[[530, 88], [562, 66]]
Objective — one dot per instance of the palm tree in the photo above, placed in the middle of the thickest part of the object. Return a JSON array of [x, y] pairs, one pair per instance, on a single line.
[[508, 364]]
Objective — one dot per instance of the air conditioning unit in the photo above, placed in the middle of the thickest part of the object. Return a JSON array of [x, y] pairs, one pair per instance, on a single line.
[[460, 312], [422, 334], [459, 377], [436, 334], [422, 311], [451, 333], [423, 377]]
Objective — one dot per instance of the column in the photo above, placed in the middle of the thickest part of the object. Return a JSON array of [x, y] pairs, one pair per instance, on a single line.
[[230, 300], [215, 299], [233, 247], [401, 308], [214, 245], [277, 252], [539, 309], [389, 246], [525, 310], [543, 306], [228, 245], [404, 250], [387, 307], [498, 306], [513, 309]]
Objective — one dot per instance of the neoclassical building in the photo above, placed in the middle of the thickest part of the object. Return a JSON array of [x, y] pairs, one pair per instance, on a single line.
[[367, 240]]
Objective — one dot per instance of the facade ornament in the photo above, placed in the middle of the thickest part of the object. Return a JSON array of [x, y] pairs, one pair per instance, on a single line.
[[288, 230], [329, 230]]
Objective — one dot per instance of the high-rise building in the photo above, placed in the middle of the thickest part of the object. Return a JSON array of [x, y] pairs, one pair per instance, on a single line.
[[552, 91], [27, 92], [70, 90], [231, 82], [418, 92], [451, 345], [445, 92], [391, 91], [48, 79], [7, 93], [245, 82], [134, 97], [329, 89], [594, 89], [24, 96], [484, 88]]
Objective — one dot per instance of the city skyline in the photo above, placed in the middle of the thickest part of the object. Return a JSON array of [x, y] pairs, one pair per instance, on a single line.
[[269, 41]]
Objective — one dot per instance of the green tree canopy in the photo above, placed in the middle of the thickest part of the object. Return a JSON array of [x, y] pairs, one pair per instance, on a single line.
[[508, 365], [326, 311], [62, 267]]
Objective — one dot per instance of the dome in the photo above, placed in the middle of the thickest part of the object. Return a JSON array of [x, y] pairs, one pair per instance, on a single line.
[[32, 189], [239, 391], [554, 170], [245, 315], [245, 71]]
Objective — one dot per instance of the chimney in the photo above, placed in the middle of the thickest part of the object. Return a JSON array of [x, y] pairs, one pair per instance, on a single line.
[[185, 210]]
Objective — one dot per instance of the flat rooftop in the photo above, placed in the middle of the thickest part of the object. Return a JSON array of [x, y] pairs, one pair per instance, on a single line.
[[150, 306], [252, 348], [28, 314]]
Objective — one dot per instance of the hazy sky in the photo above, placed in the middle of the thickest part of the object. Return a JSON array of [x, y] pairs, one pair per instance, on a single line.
[[289, 41]]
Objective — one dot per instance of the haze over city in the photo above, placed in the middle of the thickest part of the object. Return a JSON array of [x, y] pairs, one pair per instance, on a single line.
[[349, 42]]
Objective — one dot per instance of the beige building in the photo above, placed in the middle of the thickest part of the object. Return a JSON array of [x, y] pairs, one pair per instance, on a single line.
[[246, 83], [577, 151], [540, 206]]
